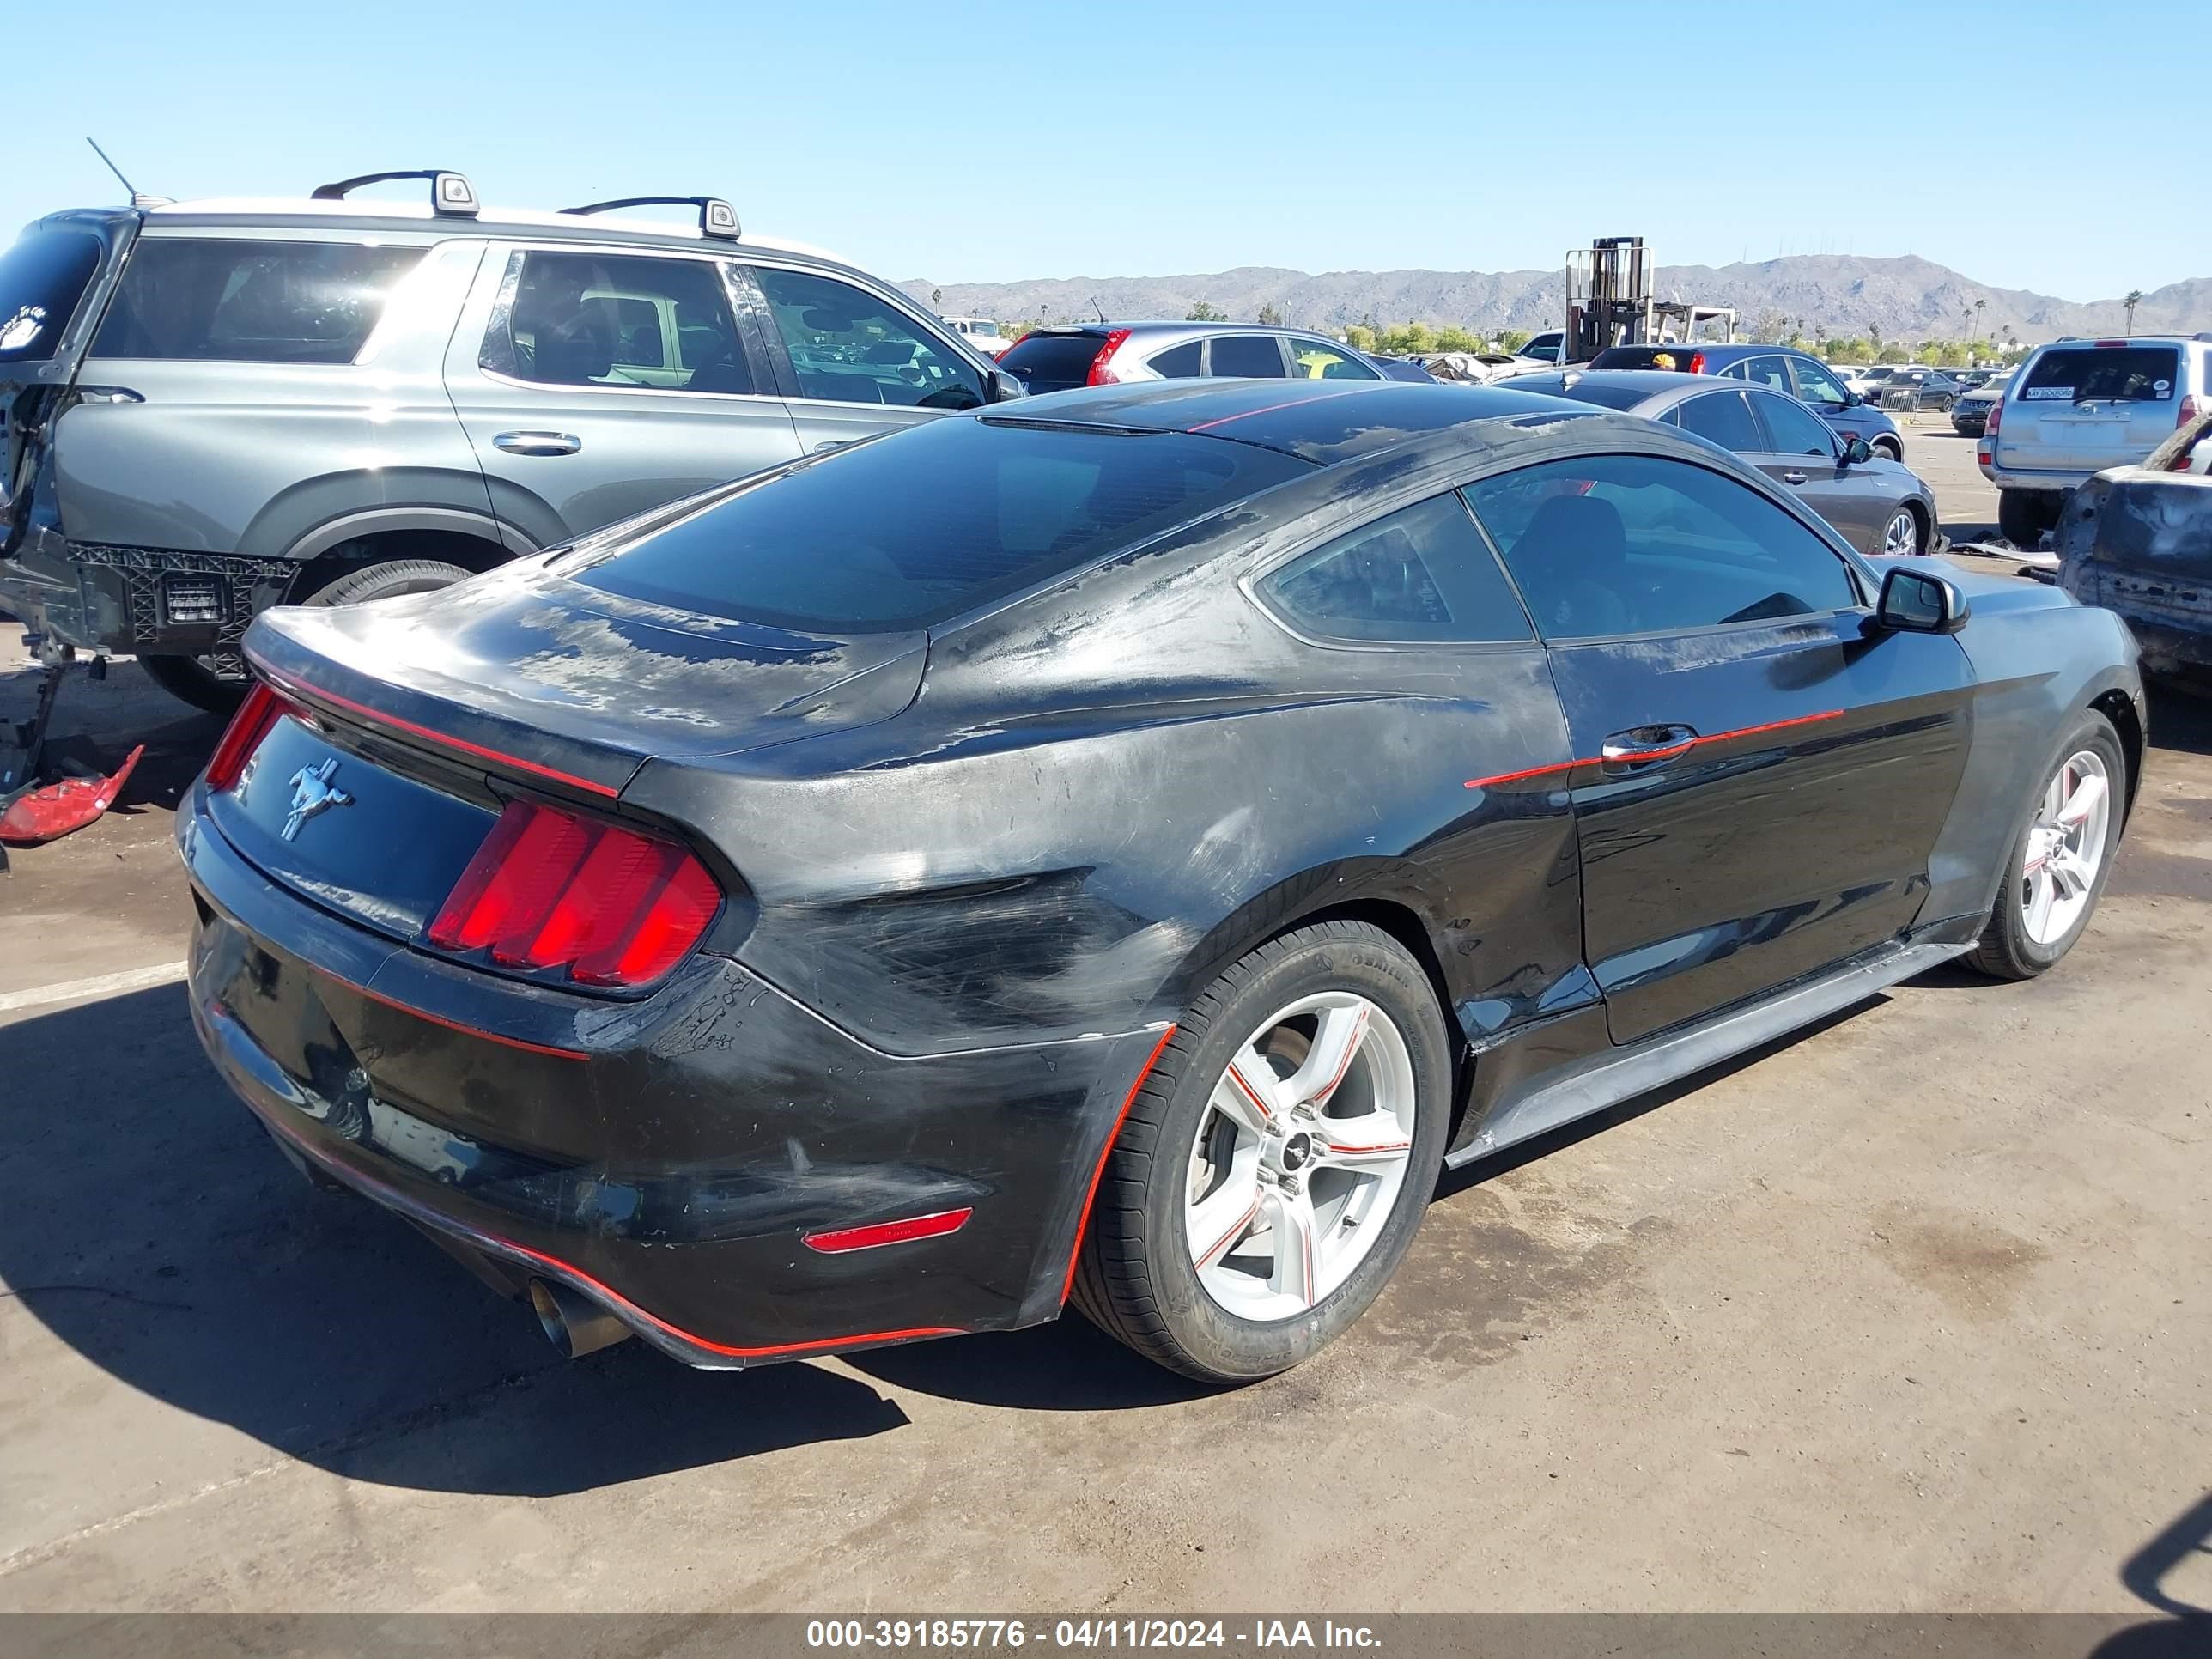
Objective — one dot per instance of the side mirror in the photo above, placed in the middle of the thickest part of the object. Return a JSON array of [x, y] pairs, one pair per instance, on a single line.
[[1005, 387], [1852, 399], [1914, 602], [1856, 452]]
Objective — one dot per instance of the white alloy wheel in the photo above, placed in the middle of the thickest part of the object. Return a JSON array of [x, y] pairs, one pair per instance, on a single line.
[[1299, 1155], [1900, 539], [2065, 847]]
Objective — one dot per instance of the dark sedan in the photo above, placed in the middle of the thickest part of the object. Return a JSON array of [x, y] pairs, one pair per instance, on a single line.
[[1116, 848], [1795, 373], [1882, 507]]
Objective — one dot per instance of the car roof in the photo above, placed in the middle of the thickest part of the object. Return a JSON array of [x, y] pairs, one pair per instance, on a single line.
[[302, 212], [1324, 422], [1652, 382], [1165, 325]]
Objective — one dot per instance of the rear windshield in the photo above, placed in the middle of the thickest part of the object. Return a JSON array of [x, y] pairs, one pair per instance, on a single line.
[[1052, 363], [41, 279], [2135, 374], [1583, 391], [1645, 356], [249, 302], [931, 522]]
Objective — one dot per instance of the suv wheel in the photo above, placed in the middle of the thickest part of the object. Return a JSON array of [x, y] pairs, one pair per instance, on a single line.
[[1274, 1167], [1887, 448]]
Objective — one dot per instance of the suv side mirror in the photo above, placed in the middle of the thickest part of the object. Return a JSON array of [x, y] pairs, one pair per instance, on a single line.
[[1856, 452], [1005, 387], [1852, 399], [1915, 602]]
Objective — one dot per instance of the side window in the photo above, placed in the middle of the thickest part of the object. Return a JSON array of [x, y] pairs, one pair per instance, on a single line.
[[850, 347], [1793, 429], [1815, 385], [1315, 359], [1257, 355], [615, 320], [1738, 370], [1422, 573], [1773, 372], [1179, 362], [1612, 544], [249, 302], [1721, 417]]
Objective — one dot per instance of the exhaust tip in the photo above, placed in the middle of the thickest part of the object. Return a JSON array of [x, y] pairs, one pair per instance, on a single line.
[[575, 1325]]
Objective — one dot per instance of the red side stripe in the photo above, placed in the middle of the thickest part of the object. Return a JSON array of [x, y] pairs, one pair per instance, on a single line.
[[377, 717], [613, 1297], [1661, 754], [454, 1025], [1083, 1221], [1293, 403]]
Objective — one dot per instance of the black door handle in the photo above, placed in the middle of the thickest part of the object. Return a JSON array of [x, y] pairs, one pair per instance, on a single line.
[[1645, 745]]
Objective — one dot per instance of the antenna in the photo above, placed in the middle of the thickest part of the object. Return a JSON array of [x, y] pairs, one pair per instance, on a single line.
[[1100, 309], [137, 199]]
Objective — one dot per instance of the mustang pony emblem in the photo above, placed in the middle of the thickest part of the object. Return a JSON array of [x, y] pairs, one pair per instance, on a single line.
[[311, 793]]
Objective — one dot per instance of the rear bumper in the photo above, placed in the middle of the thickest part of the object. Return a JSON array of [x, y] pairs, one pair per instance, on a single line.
[[2052, 483], [666, 1158]]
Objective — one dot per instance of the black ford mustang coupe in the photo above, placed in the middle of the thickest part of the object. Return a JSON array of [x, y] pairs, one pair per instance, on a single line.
[[1113, 848]]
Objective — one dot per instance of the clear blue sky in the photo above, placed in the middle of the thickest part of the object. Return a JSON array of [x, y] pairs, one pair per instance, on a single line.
[[2043, 143]]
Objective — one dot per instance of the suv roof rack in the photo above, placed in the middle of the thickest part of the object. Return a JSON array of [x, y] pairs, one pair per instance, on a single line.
[[717, 218], [450, 192]]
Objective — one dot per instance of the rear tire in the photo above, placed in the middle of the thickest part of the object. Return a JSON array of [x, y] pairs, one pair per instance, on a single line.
[[2025, 514], [1144, 1280], [387, 581], [2013, 946]]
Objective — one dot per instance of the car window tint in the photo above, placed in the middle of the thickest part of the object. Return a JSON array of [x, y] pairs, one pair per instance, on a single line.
[[905, 531], [1614, 544], [1721, 417], [615, 320], [1179, 362], [1254, 356], [1815, 385], [1311, 360], [249, 302], [851, 347], [2082, 373], [42, 278], [1793, 429], [1422, 573], [1770, 372], [1045, 362]]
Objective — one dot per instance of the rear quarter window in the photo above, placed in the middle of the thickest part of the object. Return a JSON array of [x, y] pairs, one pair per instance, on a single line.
[[42, 278], [249, 302], [909, 530], [2080, 374]]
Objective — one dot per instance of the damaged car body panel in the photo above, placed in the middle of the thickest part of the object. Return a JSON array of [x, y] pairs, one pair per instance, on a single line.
[[2138, 540], [977, 848]]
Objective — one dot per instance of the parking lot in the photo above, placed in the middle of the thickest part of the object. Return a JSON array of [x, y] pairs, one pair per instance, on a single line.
[[1907, 1312]]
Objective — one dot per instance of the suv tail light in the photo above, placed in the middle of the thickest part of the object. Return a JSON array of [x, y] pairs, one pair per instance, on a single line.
[[1102, 366], [2188, 411], [260, 711], [552, 889]]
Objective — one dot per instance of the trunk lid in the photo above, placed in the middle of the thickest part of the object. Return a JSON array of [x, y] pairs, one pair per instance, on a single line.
[[54, 285]]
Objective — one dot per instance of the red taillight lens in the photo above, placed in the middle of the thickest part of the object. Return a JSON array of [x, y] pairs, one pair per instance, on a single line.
[[2188, 411], [1102, 366], [551, 889], [1696, 363], [1996, 413], [255, 716]]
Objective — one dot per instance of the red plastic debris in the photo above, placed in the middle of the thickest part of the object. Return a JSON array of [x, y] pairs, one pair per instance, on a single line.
[[58, 808]]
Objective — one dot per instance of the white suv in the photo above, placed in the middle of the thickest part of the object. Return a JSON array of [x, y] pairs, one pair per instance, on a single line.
[[2079, 406]]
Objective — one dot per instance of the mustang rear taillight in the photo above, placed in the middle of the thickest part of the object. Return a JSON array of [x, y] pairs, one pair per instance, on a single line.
[[553, 891], [261, 710], [1102, 366]]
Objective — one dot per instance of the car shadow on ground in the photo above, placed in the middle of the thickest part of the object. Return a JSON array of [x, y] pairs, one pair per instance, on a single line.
[[98, 722]]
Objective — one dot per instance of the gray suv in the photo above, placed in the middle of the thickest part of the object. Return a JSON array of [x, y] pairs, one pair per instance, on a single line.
[[216, 407]]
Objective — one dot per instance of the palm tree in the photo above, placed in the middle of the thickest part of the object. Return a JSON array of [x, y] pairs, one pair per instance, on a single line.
[[2134, 299]]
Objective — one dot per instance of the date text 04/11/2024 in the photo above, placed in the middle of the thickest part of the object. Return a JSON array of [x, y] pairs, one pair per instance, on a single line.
[[1263, 1635]]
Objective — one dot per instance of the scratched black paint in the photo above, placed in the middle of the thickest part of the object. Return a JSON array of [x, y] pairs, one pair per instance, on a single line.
[[975, 870]]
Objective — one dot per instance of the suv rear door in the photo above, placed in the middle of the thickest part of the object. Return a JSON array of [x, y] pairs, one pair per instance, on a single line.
[[54, 282], [2084, 408], [597, 382]]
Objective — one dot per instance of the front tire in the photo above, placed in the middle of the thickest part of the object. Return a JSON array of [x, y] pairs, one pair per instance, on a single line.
[[2056, 867], [1888, 448], [1274, 1166], [1903, 537]]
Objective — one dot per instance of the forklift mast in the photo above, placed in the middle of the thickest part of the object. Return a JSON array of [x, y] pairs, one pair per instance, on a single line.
[[1609, 296]]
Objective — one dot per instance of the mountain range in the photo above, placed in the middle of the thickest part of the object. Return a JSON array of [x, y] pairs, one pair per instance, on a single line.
[[1907, 298]]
